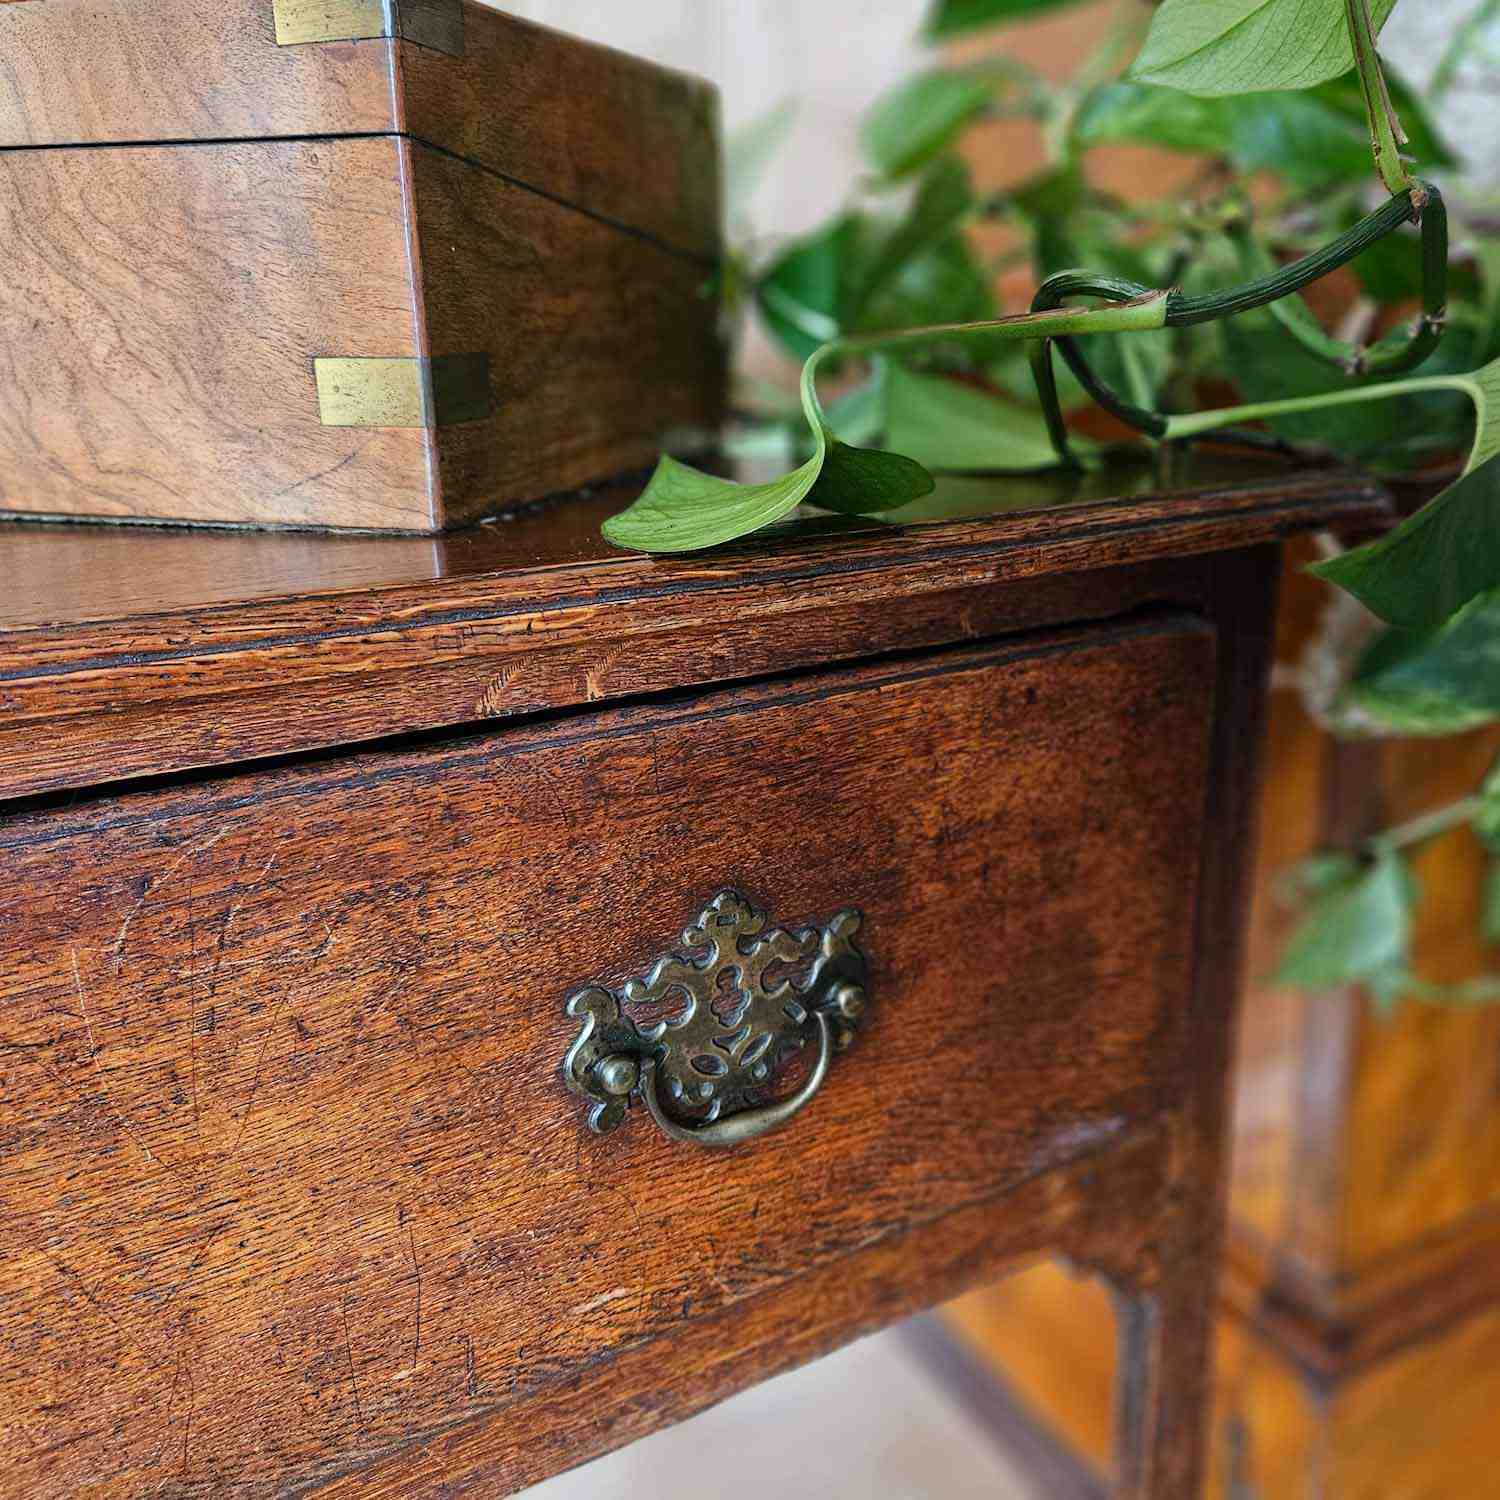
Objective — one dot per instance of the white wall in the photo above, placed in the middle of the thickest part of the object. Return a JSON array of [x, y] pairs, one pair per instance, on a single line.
[[834, 56], [1415, 39]]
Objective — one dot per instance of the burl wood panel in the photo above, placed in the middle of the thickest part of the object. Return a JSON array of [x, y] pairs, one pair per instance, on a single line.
[[1423, 1128], [290, 1178], [163, 306], [167, 304], [1419, 1426], [576, 120], [1367, 1150]]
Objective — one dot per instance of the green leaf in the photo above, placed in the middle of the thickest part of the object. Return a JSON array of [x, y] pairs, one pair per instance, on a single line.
[[1310, 138], [1449, 551], [1487, 820], [1433, 563], [1358, 929], [1136, 368], [921, 118], [1492, 904], [942, 284], [750, 150], [864, 481], [858, 273], [1390, 271], [1317, 874], [1435, 682], [1214, 47], [1408, 428], [803, 293], [951, 18], [1298, 136], [1389, 987], [683, 509], [943, 199], [1146, 115], [946, 424]]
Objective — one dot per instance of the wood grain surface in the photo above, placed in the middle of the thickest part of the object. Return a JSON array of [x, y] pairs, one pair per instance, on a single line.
[[578, 121], [104, 71], [128, 654], [1418, 1423], [631, 142], [174, 299], [292, 1182], [1096, 1217], [600, 343], [1363, 1254]]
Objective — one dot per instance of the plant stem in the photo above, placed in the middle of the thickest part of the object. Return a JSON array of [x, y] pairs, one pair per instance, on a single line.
[[1132, 316], [1430, 825], [1191, 424], [1484, 990], [1392, 356], [1386, 135], [1397, 210], [1103, 63]]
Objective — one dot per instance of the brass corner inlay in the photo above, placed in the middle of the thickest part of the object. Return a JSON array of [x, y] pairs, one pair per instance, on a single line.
[[438, 24], [439, 392]]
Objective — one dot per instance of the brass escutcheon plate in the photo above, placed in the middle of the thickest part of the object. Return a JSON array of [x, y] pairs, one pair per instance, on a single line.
[[740, 1000]]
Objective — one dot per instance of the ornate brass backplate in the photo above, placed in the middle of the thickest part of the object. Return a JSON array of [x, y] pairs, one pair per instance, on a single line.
[[740, 1001]]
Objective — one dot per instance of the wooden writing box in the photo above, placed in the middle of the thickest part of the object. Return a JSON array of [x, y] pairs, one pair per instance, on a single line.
[[387, 264]]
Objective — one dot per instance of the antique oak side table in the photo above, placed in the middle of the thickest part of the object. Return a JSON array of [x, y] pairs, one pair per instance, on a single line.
[[406, 946]]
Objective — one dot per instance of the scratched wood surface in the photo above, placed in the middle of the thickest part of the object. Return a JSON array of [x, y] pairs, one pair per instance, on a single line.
[[289, 1175], [579, 121], [167, 366], [133, 652], [1096, 1217]]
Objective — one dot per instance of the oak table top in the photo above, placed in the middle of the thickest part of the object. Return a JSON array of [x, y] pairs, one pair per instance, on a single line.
[[185, 647]]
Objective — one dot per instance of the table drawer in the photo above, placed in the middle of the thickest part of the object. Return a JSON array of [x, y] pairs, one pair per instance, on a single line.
[[289, 1173]]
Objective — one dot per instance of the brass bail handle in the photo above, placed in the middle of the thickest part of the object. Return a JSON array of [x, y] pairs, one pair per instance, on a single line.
[[705, 1062]]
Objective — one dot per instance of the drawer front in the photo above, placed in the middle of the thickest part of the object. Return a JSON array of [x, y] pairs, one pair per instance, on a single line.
[[288, 1171]]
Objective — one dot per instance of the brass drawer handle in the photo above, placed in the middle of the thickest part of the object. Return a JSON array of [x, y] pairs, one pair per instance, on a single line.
[[737, 1009]]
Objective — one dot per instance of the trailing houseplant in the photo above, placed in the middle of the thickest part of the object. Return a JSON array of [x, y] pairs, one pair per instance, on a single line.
[[1289, 97]]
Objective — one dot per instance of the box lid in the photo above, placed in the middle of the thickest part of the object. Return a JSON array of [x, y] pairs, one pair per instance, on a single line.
[[620, 138]]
